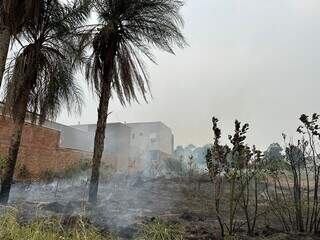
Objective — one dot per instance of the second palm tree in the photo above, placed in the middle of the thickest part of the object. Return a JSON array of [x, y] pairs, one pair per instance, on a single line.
[[127, 31]]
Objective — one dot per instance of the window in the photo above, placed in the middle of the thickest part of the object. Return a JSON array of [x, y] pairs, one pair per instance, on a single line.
[[133, 136], [141, 134], [153, 135], [154, 138], [154, 155]]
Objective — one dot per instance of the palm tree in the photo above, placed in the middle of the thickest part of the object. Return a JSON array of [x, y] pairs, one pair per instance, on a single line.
[[127, 31], [41, 77], [14, 16]]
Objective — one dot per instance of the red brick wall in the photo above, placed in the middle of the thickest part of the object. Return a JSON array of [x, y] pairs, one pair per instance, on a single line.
[[39, 150]]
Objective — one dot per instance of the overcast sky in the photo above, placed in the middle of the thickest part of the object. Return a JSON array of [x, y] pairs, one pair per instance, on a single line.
[[256, 61]]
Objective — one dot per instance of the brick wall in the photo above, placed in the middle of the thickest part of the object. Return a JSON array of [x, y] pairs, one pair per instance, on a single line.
[[39, 150]]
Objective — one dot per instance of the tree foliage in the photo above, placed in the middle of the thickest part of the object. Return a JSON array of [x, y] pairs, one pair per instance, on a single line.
[[44, 63], [135, 26]]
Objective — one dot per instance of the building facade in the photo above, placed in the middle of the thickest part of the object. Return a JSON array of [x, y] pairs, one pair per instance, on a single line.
[[135, 145], [151, 136], [116, 144]]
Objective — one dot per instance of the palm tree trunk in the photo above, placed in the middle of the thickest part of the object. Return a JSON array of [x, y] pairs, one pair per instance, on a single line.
[[13, 150], [4, 47], [105, 95], [19, 114], [99, 141]]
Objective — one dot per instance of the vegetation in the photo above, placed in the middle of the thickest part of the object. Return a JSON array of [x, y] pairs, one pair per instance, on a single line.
[[51, 229], [175, 167], [287, 183], [124, 36], [54, 40], [160, 230], [40, 78], [293, 191], [198, 153], [15, 15], [75, 170], [234, 169], [11, 228]]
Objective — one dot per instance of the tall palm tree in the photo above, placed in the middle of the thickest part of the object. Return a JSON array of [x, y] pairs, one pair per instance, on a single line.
[[41, 77], [14, 16], [127, 31]]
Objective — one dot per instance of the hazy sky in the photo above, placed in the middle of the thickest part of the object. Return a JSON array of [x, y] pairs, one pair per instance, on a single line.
[[256, 61]]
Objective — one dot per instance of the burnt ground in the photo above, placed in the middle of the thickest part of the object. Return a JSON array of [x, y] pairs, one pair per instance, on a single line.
[[126, 201]]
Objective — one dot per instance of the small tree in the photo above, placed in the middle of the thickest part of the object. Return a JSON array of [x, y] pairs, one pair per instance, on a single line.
[[232, 170], [294, 193]]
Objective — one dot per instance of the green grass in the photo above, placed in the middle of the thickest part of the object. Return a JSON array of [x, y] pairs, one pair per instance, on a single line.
[[160, 230], [11, 229], [52, 229]]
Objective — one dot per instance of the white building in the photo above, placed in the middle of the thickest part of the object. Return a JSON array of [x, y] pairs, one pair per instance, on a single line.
[[150, 136], [134, 145]]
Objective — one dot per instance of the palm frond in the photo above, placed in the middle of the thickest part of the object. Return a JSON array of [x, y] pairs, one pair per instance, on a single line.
[[19, 14], [136, 26], [44, 66]]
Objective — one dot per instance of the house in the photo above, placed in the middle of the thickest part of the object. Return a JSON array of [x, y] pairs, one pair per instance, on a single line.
[[134, 145], [116, 144], [149, 142]]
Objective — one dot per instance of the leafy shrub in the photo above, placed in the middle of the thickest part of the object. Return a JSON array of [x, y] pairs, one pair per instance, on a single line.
[[233, 171]]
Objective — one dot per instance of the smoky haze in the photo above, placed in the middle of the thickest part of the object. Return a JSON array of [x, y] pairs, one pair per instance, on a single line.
[[255, 61]]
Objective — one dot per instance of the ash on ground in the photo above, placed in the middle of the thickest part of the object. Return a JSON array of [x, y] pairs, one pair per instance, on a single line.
[[124, 201]]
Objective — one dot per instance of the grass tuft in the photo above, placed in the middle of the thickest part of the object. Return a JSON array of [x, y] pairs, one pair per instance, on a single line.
[[160, 230], [11, 229]]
